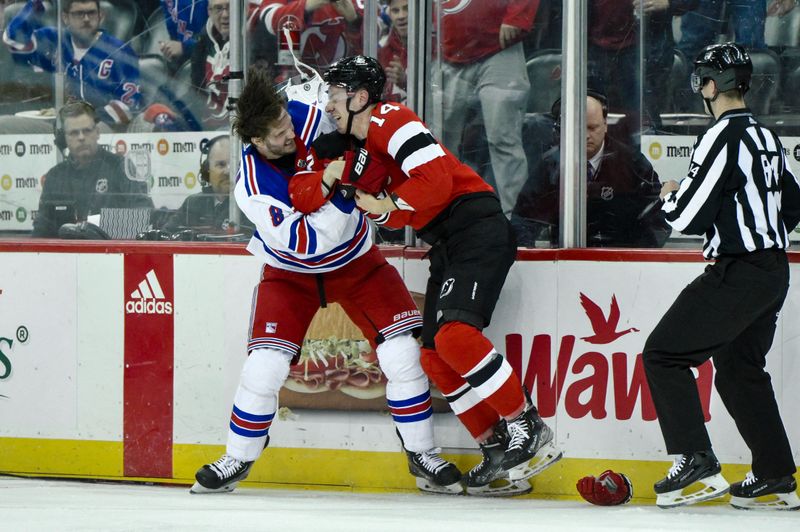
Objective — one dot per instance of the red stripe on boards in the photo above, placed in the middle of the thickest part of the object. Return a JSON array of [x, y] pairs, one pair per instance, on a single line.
[[149, 360]]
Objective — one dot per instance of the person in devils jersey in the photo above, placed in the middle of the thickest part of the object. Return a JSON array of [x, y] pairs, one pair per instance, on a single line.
[[317, 248], [459, 215]]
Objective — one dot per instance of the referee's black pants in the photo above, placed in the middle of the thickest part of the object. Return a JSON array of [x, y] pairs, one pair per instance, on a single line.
[[728, 313]]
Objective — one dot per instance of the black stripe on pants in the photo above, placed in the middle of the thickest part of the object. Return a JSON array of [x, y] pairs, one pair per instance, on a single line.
[[729, 312]]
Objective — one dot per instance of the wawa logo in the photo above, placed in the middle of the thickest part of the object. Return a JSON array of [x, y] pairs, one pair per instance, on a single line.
[[148, 298], [602, 381]]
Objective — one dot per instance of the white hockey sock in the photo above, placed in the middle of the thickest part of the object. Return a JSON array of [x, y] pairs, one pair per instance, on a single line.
[[255, 402], [407, 392]]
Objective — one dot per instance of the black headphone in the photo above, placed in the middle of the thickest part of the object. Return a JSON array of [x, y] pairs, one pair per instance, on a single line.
[[205, 149], [75, 108]]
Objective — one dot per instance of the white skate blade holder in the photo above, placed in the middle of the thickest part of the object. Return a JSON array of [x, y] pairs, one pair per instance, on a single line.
[[501, 487], [544, 458], [713, 487], [198, 488], [774, 501], [429, 487]]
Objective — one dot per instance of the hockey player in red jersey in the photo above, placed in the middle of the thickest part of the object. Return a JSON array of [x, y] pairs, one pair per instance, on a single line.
[[453, 209], [317, 248]]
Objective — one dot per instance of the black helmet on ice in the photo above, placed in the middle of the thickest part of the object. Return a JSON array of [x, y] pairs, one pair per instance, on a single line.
[[358, 72], [727, 64]]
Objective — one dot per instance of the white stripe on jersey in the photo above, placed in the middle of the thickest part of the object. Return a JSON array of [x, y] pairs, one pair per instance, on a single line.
[[706, 187], [267, 15], [753, 197], [418, 157], [403, 133]]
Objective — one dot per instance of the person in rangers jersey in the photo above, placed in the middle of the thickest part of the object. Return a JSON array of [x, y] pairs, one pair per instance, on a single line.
[[453, 209], [741, 194], [317, 248], [98, 67], [184, 20]]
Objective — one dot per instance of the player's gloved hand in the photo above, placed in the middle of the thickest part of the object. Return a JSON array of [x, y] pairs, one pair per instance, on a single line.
[[331, 145], [608, 489], [361, 172]]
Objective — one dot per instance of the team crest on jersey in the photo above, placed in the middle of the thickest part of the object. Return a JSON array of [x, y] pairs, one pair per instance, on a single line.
[[607, 193], [101, 186], [301, 163], [271, 327], [447, 287], [105, 68]]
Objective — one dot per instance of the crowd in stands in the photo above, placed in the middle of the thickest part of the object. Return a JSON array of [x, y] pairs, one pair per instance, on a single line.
[[164, 66]]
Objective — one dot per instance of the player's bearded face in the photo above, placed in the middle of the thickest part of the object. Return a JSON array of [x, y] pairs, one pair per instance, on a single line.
[[279, 142]]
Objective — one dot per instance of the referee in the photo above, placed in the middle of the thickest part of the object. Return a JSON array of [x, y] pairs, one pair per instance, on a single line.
[[742, 196]]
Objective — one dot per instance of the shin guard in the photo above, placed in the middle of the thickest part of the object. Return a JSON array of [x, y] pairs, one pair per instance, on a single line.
[[473, 356], [255, 402], [475, 415]]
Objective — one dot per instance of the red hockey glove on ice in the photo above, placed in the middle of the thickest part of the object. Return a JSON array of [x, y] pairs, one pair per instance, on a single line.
[[361, 172], [609, 489]]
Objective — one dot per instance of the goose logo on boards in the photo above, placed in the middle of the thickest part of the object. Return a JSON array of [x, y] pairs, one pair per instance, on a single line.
[[148, 298]]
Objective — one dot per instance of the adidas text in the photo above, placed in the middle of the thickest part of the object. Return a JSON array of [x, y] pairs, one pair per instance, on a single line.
[[148, 306]]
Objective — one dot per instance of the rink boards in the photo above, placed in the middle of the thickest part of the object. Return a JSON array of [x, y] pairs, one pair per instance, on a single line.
[[120, 361]]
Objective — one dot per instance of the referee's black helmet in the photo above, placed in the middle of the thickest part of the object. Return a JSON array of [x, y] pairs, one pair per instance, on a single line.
[[728, 64], [358, 72]]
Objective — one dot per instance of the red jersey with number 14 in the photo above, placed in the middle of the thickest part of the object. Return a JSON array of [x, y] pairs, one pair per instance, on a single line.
[[424, 176]]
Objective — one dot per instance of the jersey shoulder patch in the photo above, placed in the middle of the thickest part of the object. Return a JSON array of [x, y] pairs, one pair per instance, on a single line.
[[262, 178], [306, 120]]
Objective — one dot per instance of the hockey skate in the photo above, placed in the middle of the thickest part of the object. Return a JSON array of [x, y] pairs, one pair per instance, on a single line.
[[767, 494], [686, 470], [221, 476], [530, 448], [433, 473], [488, 478]]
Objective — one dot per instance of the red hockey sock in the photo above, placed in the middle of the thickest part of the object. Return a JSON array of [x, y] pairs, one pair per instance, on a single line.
[[477, 416], [473, 356]]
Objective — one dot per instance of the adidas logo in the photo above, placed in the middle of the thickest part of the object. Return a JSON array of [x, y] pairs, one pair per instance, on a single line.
[[148, 298]]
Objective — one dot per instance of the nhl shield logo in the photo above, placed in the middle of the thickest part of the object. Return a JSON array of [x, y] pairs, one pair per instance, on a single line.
[[101, 186]]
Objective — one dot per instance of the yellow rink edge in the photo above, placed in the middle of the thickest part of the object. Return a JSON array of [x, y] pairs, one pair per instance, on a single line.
[[307, 468]]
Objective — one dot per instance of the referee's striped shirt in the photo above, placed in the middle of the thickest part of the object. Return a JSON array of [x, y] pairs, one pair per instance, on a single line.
[[740, 192]]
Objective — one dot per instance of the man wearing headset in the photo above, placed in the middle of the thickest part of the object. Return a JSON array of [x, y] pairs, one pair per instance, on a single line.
[[208, 210], [622, 206], [89, 178]]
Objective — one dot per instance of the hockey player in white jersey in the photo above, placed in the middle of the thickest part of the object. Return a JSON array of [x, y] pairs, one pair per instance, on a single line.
[[317, 248]]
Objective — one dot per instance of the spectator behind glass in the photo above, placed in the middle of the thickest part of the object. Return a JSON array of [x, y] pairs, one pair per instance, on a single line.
[[89, 179], [209, 209], [211, 66], [622, 208], [613, 48], [184, 19], [484, 67], [659, 52], [704, 24], [330, 29], [393, 53], [779, 8], [99, 68]]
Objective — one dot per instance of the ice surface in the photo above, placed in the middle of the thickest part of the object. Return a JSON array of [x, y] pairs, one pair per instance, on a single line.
[[57, 505]]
